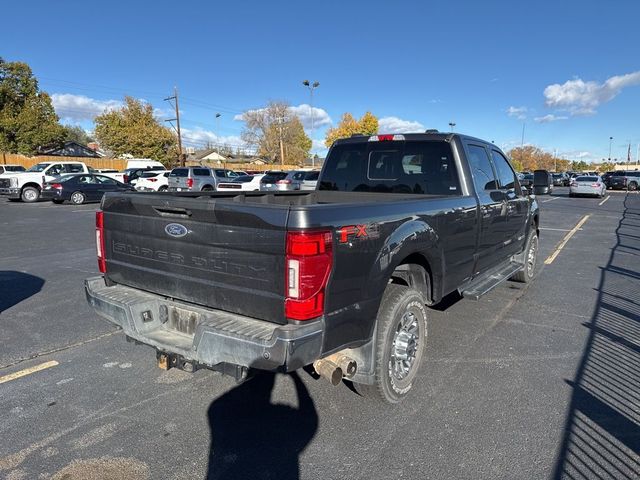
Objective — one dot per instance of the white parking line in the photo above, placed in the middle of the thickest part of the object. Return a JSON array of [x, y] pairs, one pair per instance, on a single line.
[[605, 199], [564, 241], [550, 200], [556, 229]]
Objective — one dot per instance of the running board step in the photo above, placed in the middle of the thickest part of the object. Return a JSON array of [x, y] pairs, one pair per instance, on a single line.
[[485, 283]]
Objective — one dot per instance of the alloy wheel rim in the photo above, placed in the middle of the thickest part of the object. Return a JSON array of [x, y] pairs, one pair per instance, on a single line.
[[77, 198], [30, 195], [405, 346]]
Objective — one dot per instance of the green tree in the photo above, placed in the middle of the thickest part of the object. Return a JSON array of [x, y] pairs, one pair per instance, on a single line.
[[133, 130], [28, 120], [75, 133], [367, 125], [266, 127]]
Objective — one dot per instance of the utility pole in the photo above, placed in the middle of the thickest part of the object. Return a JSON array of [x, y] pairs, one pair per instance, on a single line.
[[177, 120], [218, 115], [280, 120], [522, 141]]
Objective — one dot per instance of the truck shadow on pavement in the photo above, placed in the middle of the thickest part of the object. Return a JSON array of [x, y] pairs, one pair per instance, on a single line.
[[602, 431], [16, 287], [253, 438]]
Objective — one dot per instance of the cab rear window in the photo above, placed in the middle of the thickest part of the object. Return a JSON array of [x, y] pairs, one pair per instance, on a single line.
[[419, 167], [180, 172]]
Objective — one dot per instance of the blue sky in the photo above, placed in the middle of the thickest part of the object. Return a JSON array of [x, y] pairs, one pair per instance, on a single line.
[[568, 70]]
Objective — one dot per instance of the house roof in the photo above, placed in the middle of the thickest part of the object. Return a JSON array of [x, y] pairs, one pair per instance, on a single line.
[[70, 149]]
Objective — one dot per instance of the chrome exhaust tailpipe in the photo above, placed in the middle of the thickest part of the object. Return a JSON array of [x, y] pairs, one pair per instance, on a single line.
[[329, 370], [336, 367]]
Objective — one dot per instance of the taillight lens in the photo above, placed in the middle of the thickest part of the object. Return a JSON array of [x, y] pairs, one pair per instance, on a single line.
[[308, 264], [283, 182], [152, 179], [102, 263], [189, 182], [57, 186], [125, 178]]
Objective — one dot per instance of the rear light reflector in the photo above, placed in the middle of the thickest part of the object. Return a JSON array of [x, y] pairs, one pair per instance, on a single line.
[[308, 264], [189, 182], [385, 138], [102, 263]]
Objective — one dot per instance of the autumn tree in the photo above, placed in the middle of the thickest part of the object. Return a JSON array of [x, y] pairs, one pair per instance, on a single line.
[[367, 125], [134, 130], [266, 127], [28, 120]]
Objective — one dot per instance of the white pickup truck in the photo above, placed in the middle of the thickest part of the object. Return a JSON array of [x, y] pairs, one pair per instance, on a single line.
[[26, 186]]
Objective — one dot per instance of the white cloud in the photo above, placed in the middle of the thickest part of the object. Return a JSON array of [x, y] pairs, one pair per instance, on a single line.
[[81, 107], [318, 146], [303, 111], [549, 118], [398, 125], [582, 98], [320, 116], [519, 112], [199, 138]]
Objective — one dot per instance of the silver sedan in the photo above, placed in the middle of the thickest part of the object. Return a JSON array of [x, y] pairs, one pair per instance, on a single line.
[[587, 185]]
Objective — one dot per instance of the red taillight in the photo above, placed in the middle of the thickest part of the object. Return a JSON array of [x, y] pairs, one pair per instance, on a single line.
[[102, 263], [283, 182], [189, 182], [152, 179], [308, 264], [125, 178], [595, 184], [57, 186]]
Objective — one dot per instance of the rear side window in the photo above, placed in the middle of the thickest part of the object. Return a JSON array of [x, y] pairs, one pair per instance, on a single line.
[[419, 167], [179, 172], [74, 168], [506, 176], [202, 172], [586, 179], [483, 176], [298, 176]]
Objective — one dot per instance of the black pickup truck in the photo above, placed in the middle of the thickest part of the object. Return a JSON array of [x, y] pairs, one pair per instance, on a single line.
[[338, 277]]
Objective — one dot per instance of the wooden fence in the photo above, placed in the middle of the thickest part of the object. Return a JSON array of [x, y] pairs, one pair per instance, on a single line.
[[16, 159]]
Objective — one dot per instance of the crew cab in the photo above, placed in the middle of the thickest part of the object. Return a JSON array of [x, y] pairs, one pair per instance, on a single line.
[[339, 278], [27, 186]]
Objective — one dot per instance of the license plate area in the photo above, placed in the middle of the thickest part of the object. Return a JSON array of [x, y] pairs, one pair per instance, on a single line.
[[180, 319]]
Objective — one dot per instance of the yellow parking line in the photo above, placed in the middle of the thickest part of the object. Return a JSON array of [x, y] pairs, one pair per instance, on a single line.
[[28, 371], [605, 199], [564, 241]]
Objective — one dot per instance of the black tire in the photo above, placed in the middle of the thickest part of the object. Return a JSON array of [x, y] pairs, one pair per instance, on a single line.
[[207, 188], [57, 201], [30, 194], [402, 313], [527, 274], [164, 188], [633, 186], [78, 198]]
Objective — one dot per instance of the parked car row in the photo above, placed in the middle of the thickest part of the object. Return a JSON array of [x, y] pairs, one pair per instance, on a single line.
[[78, 183]]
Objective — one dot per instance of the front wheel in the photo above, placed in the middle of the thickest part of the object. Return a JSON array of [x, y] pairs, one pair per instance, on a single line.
[[530, 259], [77, 198], [400, 344], [633, 186], [30, 194]]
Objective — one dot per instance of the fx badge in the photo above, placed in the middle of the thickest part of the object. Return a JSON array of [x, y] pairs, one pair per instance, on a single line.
[[349, 233]]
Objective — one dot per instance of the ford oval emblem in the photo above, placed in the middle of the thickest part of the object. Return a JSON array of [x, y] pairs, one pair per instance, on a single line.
[[176, 230]]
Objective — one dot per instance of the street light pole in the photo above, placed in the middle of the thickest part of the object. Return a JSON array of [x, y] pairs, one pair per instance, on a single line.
[[218, 115], [452, 124], [610, 140], [311, 87]]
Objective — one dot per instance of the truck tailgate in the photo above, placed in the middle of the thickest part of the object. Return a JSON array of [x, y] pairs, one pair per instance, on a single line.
[[206, 250]]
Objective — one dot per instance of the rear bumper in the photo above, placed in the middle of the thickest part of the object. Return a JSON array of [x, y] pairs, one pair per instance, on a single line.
[[205, 336]]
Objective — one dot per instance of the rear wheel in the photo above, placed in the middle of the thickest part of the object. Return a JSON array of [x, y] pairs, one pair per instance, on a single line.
[[633, 186], [30, 194], [77, 198], [400, 344], [164, 188], [530, 258]]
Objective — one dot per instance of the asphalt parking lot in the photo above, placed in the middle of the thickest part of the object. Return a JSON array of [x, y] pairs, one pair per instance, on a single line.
[[535, 382]]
